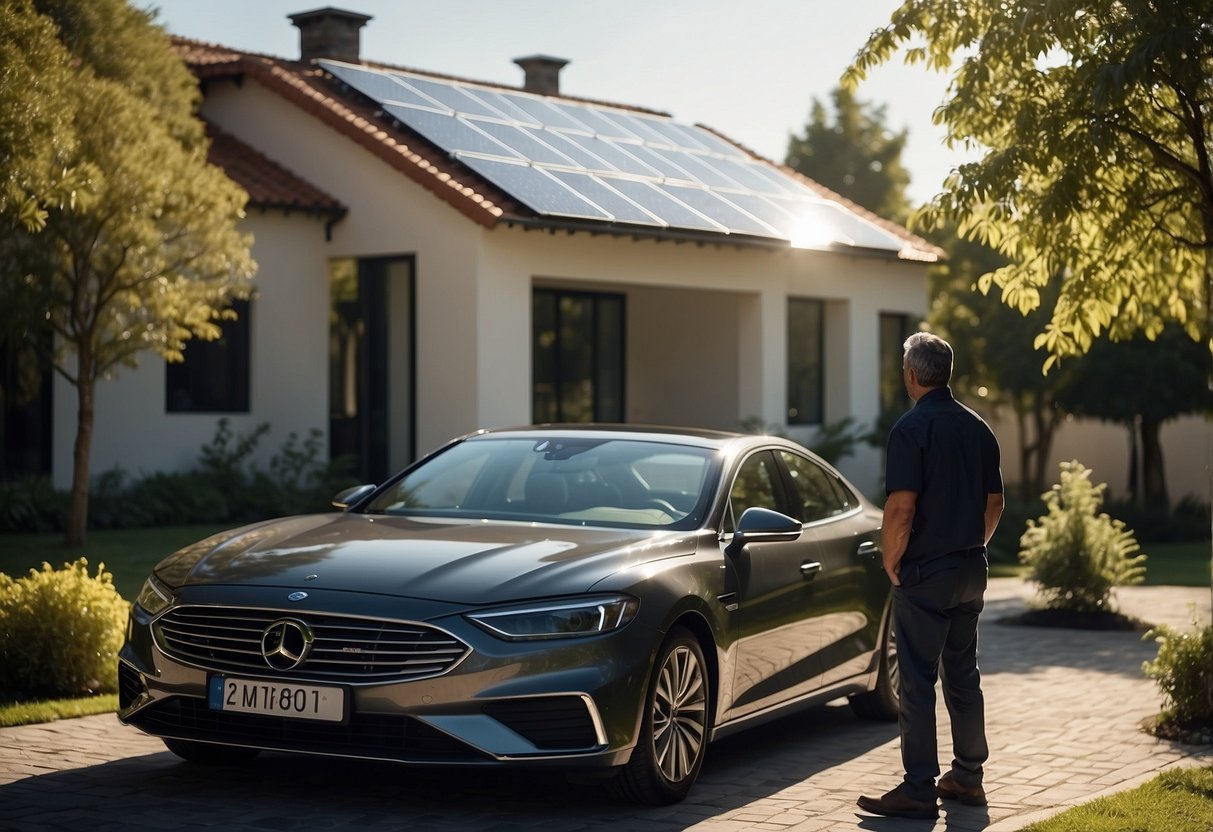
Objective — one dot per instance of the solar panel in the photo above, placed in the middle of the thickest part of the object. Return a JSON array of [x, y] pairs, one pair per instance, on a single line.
[[564, 158]]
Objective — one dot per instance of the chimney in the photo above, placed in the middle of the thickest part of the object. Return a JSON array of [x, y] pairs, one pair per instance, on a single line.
[[329, 33], [542, 74]]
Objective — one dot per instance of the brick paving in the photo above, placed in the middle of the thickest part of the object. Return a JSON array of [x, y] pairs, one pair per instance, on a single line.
[[1063, 712]]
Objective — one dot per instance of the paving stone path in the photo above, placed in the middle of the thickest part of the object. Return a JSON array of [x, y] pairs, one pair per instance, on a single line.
[[1063, 712]]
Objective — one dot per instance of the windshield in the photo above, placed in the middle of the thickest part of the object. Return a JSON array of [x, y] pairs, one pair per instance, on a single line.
[[620, 483]]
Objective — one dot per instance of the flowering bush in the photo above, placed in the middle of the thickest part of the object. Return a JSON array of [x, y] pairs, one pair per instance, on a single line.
[[60, 632]]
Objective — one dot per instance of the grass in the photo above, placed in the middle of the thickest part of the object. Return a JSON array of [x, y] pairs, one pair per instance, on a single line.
[[48, 710], [129, 554], [1180, 800], [1167, 564]]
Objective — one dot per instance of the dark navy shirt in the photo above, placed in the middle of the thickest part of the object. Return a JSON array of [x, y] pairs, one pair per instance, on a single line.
[[948, 456]]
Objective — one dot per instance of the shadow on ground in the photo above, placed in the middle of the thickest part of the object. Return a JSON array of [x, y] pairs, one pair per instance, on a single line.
[[288, 792]]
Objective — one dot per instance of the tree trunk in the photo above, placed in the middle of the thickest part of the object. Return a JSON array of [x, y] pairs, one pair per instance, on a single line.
[[1135, 493], [1046, 425], [1153, 473], [1025, 457], [86, 386]]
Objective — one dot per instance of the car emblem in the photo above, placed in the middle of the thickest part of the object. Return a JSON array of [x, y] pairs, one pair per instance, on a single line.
[[286, 643], [296, 596]]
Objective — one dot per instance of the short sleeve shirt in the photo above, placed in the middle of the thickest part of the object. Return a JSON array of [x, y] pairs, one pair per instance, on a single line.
[[947, 455]]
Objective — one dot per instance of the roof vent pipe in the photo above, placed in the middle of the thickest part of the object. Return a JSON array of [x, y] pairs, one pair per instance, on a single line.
[[329, 33], [542, 74]]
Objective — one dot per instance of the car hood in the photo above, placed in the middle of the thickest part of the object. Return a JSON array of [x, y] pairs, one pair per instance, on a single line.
[[465, 562]]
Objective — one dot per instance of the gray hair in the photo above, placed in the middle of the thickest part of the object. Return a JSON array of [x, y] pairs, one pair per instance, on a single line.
[[930, 357]]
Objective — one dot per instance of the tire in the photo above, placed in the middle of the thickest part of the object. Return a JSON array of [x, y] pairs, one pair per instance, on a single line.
[[882, 702], [674, 729], [210, 754]]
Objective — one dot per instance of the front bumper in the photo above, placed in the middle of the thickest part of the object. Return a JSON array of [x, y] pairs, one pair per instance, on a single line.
[[568, 702]]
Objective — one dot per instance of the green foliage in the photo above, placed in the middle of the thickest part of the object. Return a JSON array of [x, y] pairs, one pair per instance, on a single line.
[[1076, 554], [31, 504], [146, 253], [1183, 671], [1094, 117], [855, 155], [60, 632], [226, 487], [48, 710]]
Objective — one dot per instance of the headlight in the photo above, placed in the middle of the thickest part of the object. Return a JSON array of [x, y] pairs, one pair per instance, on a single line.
[[155, 597], [569, 619]]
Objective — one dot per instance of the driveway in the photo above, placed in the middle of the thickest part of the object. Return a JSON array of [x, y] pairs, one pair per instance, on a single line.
[[1063, 708]]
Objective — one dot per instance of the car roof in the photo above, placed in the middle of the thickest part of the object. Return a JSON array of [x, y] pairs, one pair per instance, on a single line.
[[701, 437]]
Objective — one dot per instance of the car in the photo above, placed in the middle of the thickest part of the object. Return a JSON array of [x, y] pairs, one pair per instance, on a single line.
[[605, 599]]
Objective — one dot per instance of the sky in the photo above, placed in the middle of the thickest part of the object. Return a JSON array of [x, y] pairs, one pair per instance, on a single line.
[[749, 69]]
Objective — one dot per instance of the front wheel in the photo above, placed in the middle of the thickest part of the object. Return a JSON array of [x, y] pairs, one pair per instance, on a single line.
[[882, 702], [674, 730]]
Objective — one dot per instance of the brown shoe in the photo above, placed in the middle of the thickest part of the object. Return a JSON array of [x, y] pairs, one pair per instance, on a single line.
[[897, 804], [949, 789]]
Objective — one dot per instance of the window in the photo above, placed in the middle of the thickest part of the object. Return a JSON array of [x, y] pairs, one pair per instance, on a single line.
[[578, 357], [753, 486], [214, 377], [806, 362], [895, 328], [814, 496]]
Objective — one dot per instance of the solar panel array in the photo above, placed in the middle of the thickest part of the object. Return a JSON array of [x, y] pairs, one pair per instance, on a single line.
[[583, 161]]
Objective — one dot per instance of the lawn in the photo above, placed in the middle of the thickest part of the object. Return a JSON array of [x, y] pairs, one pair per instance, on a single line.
[[1167, 564], [129, 554], [1176, 801]]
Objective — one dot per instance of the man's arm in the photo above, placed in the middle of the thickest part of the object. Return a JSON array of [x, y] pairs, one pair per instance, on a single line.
[[895, 531], [994, 507]]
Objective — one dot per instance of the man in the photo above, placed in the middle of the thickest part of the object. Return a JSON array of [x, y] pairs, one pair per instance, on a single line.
[[944, 488]]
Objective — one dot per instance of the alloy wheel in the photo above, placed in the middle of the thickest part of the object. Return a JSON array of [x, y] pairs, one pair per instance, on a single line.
[[679, 714]]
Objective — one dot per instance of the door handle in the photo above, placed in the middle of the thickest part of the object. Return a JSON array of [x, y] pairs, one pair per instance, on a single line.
[[868, 549], [809, 569]]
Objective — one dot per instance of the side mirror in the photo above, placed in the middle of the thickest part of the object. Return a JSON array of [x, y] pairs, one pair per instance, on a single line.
[[762, 525], [350, 496]]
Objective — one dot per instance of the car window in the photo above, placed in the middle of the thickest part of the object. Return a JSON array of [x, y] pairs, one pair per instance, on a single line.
[[585, 480], [754, 485], [814, 497]]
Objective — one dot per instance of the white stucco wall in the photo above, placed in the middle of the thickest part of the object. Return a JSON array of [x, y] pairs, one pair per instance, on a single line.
[[706, 324], [132, 430]]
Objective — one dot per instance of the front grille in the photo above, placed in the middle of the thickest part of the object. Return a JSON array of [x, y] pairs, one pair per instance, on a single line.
[[556, 722], [346, 649], [374, 736]]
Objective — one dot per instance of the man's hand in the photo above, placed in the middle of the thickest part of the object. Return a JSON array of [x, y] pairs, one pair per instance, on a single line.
[[895, 531]]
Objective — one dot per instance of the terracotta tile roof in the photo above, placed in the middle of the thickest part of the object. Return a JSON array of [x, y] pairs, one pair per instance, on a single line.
[[313, 90], [269, 185]]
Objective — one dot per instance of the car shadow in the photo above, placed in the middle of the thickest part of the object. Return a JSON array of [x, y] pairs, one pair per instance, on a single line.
[[283, 791]]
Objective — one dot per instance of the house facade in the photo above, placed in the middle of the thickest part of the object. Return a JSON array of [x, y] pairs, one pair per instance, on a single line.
[[411, 288]]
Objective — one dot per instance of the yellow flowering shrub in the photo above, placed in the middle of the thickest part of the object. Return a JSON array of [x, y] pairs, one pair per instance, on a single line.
[[60, 632]]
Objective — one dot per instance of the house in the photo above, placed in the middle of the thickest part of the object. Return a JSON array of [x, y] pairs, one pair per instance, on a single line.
[[438, 255]]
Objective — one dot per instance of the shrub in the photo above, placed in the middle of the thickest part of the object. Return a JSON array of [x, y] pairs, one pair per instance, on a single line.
[[60, 632], [1076, 554], [31, 504], [1183, 670]]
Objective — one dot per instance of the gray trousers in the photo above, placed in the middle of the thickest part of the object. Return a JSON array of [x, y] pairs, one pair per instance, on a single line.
[[935, 622]]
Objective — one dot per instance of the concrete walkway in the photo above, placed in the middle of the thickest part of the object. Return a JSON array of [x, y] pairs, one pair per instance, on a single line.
[[1063, 712]]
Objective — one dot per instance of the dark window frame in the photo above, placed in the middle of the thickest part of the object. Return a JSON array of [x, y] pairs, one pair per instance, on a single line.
[[806, 402], [600, 405], [215, 376]]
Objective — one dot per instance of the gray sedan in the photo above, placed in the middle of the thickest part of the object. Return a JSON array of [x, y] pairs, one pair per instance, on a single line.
[[607, 600]]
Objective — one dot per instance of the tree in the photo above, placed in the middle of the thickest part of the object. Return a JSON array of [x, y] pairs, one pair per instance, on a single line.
[[998, 361], [151, 257], [855, 155], [1141, 385], [36, 136], [1095, 119]]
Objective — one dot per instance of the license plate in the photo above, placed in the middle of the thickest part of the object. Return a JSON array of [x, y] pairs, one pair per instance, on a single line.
[[253, 696]]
